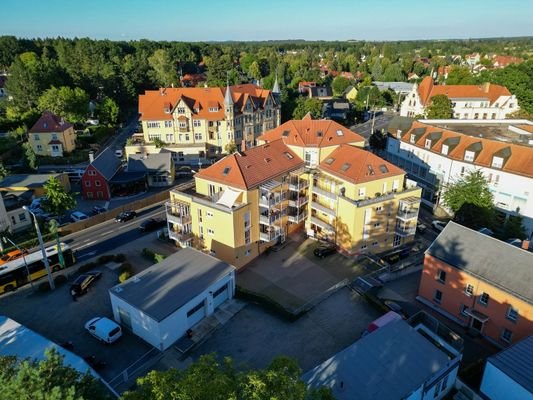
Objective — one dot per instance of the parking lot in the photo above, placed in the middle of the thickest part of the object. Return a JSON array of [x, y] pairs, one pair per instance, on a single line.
[[56, 316]]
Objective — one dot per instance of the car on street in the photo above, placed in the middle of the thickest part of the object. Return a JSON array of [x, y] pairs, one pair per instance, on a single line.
[[125, 216], [420, 227], [83, 282], [78, 216], [99, 210], [325, 250], [393, 306], [438, 225], [12, 255], [151, 224], [104, 329]]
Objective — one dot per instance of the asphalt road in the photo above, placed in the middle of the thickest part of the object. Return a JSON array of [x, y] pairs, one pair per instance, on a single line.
[[365, 129]]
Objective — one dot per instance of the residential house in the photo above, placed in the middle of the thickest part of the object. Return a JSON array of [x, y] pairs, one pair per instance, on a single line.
[[412, 76], [198, 124], [337, 109], [504, 61], [437, 153], [472, 59], [304, 87], [13, 217], [320, 93], [306, 174], [398, 87], [192, 80], [96, 180], [417, 359], [52, 136], [508, 374], [159, 168], [443, 71], [487, 101], [350, 93], [162, 303], [32, 182], [481, 283]]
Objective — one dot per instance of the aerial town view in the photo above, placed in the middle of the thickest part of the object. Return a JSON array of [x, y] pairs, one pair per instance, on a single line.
[[282, 200]]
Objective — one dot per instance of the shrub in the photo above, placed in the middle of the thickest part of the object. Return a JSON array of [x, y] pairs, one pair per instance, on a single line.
[[152, 256], [124, 276], [125, 271], [120, 258], [44, 287], [60, 280]]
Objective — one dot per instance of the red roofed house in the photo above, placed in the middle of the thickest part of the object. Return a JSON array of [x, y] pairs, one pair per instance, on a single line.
[[504, 61], [52, 136], [304, 87], [306, 174], [487, 101]]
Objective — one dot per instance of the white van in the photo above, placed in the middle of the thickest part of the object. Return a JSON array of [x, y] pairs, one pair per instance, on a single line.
[[119, 153], [104, 329]]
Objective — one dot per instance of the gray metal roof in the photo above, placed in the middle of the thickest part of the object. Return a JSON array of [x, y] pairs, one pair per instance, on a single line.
[[517, 362], [389, 363], [494, 261], [153, 162], [164, 287], [107, 163], [402, 87], [27, 180]]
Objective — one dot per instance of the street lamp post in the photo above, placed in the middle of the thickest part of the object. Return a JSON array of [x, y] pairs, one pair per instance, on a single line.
[[43, 251], [6, 239]]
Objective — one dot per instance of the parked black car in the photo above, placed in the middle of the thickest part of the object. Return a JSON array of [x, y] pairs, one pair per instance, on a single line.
[[98, 210], [151, 225], [325, 250], [82, 283], [125, 216]]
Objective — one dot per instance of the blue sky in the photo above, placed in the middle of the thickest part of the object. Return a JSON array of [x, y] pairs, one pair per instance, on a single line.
[[267, 19]]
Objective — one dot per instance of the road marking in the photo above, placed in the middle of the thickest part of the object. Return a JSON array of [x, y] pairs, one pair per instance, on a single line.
[[85, 245], [89, 254]]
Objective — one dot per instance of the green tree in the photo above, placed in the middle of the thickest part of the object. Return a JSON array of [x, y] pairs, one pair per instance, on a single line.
[[339, 85], [254, 71], [158, 143], [393, 73], [71, 104], [3, 171], [440, 107], [29, 156], [47, 379], [377, 70], [163, 68], [209, 379], [305, 105], [460, 76], [514, 228], [471, 201], [57, 199], [231, 148], [108, 111]]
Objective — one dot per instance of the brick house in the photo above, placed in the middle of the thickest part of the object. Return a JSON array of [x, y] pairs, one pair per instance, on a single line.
[[96, 180], [481, 283]]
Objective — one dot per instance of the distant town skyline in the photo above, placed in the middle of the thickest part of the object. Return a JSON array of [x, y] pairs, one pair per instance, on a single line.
[[275, 20]]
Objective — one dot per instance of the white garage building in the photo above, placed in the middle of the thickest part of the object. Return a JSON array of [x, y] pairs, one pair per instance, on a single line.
[[161, 303]]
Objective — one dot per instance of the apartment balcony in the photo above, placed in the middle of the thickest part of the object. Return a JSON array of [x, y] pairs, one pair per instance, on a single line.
[[180, 237], [405, 231], [269, 236], [178, 213], [323, 209], [407, 214], [322, 192], [297, 218], [322, 224], [296, 186], [263, 219], [298, 202]]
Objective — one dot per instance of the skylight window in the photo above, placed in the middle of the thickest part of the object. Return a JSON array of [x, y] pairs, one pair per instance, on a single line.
[[329, 160], [383, 168], [345, 167], [226, 171], [288, 155], [319, 134], [340, 133], [285, 133]]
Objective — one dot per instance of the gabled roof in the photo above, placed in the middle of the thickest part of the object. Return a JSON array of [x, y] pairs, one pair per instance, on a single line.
[[312, 133], [153, 162], [152, 102], [494, 261], [390, 363], [252, 167], [519, 158], [11, 182], [517, 363], [107, 163], [50, 122], [488, 91], [357, 165]]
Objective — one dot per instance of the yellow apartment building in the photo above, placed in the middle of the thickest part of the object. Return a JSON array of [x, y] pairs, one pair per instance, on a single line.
[[251, 200], [198, 124], [52, 136]]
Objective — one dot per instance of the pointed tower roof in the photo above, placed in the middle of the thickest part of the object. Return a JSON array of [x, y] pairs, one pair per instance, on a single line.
[[275, 89], [228, 98]]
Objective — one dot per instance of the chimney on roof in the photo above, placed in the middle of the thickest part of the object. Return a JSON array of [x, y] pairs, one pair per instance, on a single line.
[[525, 244], [243, 146], [91, 156], [486, 87], [161, 91]]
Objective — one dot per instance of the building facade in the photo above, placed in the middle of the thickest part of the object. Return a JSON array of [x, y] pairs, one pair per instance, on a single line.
[[487, 101], [437, 153], [96, 180], [52, 136], [481, 283], [199, 124], [251, 200]]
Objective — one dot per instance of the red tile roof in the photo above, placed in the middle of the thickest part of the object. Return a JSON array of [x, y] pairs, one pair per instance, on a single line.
[[428, 89], [252, 167], [357, 165], [504, 61], [50, 122], [312, 133], [520, 161], [152, 102]]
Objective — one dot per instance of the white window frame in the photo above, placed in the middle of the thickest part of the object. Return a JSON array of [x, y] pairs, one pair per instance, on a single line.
[[439, 276], [469, 293], [503, 335], [512, 314], [497, 162], [480, 300]]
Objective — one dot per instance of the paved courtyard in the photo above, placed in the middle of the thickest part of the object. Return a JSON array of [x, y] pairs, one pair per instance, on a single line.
[[294, 278]]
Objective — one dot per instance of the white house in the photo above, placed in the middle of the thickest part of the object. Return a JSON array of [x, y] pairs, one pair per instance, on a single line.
[[164, 301], [509, 374], [401, 360], [435, 153], [487, 101]]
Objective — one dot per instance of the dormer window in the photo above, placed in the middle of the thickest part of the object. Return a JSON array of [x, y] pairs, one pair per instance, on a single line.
[[497, 162], [213, 109], [181, 110], [399, 133], [412, 139], [469, 156], [445, 149], [427, 144], [197, 110]]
